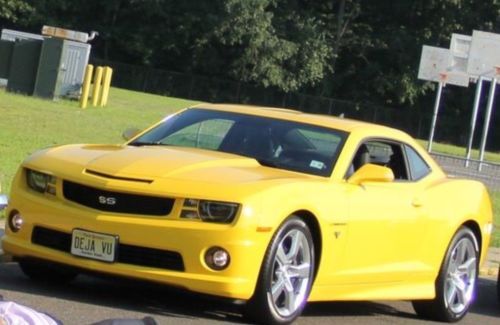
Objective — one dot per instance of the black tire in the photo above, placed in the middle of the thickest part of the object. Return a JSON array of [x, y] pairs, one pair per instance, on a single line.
[[47, 272], [459, 269], [498, 284], [290, 272]]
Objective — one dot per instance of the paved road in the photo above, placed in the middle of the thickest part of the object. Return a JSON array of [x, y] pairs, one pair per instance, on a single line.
[[90, 299]]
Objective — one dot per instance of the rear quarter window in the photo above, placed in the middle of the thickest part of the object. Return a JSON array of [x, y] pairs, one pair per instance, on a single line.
[[418, 167]]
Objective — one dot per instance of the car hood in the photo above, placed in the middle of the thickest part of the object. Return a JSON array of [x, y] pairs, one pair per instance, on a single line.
[[151, 163]]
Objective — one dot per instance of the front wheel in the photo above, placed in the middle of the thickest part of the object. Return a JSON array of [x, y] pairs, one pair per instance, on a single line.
[[286, 275], [456, 283]]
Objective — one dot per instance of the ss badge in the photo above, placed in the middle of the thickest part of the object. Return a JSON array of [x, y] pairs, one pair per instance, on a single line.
[[107, 200]]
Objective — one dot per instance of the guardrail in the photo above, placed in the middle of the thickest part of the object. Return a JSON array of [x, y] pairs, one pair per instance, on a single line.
[[455, 166]]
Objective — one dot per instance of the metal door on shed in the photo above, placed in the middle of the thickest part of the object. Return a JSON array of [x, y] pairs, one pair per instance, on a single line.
[[24, 66], [6, 49], [14, 35], [50, 69], [74, 61]]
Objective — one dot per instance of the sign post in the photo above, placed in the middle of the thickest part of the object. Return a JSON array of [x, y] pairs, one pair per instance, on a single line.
[[483, 63], [436, 64], [441, 84], [473, 120], [486, 127]]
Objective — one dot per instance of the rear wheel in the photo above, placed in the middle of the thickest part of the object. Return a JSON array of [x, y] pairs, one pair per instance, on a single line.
[[498, 284], [47, 272], [286, 275], [456, 283]]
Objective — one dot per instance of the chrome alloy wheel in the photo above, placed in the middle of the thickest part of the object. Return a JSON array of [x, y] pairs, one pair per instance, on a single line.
[[291, 273], [460, 276]]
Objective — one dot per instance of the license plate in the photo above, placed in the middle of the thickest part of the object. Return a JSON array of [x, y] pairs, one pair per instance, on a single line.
[[93, 245]]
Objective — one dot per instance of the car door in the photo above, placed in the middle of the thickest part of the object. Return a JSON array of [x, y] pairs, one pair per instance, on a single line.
[[386, 220]]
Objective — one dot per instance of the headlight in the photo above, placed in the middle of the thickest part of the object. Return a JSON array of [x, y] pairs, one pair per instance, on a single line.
[[41, 182], [217, 211], [210, 211]]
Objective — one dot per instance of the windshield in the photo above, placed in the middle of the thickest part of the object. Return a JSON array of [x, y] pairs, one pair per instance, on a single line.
[[272, 142]]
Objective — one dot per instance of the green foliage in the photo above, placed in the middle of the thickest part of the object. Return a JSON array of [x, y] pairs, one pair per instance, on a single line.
[[12, 9], [383, 64], [356, 50], [275, 43], [272, 42]]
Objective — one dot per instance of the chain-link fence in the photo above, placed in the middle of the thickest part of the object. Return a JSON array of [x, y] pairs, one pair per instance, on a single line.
[[209, 89], [203, 88]]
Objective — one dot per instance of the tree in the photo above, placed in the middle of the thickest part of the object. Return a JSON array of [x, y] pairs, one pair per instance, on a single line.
[[383, 67], [274, 43], [10, 10], [359, 50]]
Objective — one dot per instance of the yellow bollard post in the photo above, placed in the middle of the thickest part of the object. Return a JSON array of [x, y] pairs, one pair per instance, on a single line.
[[84, 97], [106, 84], [97, 86]]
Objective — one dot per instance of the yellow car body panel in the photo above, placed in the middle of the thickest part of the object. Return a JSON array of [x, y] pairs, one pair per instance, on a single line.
[[375, 240]]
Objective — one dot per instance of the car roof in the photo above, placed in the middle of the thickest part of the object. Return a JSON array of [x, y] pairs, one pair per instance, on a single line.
[[329, 121]]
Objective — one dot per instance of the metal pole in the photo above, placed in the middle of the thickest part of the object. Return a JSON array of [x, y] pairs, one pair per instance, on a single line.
[[473, 120], [435, 114], [86, 85], [96, 92], [489, 108]]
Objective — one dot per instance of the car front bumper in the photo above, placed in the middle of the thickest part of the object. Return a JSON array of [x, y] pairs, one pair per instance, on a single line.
[[190, 239]]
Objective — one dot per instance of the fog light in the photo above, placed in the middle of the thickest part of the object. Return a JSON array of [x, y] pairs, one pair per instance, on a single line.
[[189, 214], [217, 258], [15, 221]]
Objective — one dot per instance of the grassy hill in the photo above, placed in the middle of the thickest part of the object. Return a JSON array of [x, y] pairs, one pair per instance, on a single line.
[[28, 124]]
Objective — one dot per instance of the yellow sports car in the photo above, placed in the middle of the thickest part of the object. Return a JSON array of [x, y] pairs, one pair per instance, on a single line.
[[271, 206]]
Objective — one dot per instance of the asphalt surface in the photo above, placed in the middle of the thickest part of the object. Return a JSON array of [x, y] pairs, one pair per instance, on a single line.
[[90, 299]]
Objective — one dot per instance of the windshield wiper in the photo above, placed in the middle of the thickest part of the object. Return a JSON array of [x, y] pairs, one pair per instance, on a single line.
[[267, 162]]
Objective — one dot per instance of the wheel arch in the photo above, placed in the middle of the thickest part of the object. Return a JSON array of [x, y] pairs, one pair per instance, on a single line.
[[470, 224], [474, 227], [312, 223]]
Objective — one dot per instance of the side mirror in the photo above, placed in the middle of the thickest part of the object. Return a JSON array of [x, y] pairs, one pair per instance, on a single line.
[[130, 133], [371, 173], [4, 201]]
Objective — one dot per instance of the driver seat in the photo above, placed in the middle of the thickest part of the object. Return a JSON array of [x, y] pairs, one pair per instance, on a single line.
[[361, 158]]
